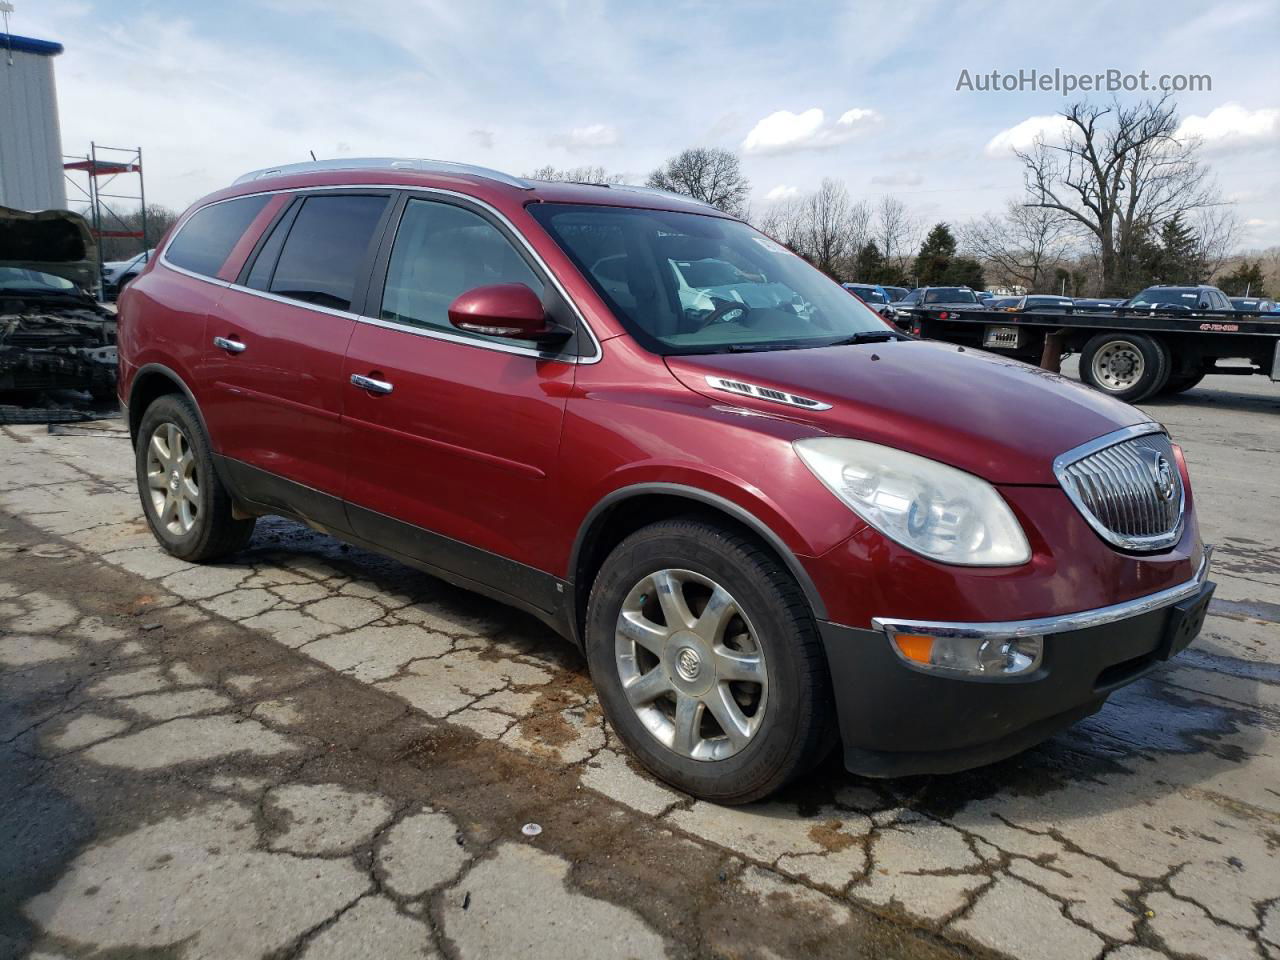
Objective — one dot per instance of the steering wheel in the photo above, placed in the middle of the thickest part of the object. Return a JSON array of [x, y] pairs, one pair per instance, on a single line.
[[727, 312]]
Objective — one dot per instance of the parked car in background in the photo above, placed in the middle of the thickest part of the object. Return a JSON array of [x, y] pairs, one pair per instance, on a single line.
[[895, 293], [1001, 303], [1253, 304], [769, 527], [117, 274], [1042, 303], [959, 297], [1097, 304], [873, 295], [1189, 299]]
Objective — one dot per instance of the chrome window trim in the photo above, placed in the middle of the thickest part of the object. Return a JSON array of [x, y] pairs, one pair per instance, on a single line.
[[1084, 620], [595, 356], [1141, 544]]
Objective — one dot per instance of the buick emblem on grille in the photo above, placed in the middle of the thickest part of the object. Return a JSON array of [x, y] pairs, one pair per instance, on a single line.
[[1164, 479]]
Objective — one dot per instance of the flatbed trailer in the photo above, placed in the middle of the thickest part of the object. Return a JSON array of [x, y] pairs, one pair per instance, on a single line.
[[1129, 353]]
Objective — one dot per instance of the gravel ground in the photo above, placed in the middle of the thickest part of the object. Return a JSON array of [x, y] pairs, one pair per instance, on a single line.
[[311, 751]]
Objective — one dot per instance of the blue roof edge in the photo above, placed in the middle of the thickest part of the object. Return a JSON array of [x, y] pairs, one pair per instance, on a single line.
[[11, 41]]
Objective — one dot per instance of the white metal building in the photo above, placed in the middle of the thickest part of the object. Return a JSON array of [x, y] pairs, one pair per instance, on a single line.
[[30, 142]]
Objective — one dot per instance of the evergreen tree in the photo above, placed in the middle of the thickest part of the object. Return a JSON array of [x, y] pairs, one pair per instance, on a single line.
[[868, 264], [1246, 281], [935, 256], [963, 272]]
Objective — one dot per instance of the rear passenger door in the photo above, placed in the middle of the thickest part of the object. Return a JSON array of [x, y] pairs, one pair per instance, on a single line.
[[273, 364], [453, 463]]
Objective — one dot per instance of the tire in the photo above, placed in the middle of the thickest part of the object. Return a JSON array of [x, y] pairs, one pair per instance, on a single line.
[[188, 510], [1181, 383], [1127, 366], [785, 717]]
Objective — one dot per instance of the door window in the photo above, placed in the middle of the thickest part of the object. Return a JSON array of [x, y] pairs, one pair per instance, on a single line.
[[326, 248], [441, 251]]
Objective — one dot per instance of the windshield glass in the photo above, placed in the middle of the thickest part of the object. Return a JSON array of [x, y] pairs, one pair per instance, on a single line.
[[686, 283], [949, 295], [1165, 298], [15, 278]]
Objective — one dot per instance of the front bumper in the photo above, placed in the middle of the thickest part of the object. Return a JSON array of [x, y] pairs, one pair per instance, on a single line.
[[896, 720]]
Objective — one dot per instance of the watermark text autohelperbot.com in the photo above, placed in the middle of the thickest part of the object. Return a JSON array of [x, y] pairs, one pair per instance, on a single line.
[[1066, 83]]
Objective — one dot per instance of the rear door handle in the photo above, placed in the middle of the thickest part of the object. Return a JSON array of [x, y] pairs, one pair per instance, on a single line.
[[370, 384], [231, 346]]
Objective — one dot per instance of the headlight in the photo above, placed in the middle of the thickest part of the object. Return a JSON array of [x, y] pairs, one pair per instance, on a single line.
[[944, 513]]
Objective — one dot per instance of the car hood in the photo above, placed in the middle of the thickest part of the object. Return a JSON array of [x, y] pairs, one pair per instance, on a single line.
[[994, 417], [57, 242]]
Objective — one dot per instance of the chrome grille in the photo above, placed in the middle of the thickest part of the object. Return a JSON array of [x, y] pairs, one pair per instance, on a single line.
[[1127, 485]]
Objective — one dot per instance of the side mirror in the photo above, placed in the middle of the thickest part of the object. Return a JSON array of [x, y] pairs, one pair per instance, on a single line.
[[1204, 304], [506, 310]]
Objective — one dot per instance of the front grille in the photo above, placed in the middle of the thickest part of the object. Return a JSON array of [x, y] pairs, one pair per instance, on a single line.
[[1128, 487]]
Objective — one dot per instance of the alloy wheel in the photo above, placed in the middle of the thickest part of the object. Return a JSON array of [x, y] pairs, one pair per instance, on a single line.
[[691, 665], [173, 480]]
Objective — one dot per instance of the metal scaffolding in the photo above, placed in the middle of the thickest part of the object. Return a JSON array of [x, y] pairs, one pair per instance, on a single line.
[[102, 168]]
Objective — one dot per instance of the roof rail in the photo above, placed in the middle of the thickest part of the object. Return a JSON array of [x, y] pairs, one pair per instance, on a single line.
[[385, 163]]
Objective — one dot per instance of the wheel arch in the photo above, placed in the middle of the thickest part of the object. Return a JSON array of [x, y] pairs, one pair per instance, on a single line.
[[627, 509], [151, 382]]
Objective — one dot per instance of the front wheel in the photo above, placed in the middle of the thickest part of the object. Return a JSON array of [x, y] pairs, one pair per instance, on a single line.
[[1127, 366], [707, 661], [186, 505]]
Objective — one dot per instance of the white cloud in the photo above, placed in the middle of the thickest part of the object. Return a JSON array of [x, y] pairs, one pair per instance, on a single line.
[[590, 137], [784, 131], [1022, 135], [782, 192], [897, 180], [482, 138], [1233, 125]]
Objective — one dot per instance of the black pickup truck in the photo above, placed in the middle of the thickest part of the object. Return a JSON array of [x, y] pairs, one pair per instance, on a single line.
[[1129, 353]]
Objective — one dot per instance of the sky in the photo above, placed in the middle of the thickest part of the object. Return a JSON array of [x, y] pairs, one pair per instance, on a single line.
[[864, 92]]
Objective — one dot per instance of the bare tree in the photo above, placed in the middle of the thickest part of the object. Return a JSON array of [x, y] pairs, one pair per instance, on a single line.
[[1023, 247], [709, 174], [826, 226], [1118, 172], [575, 175], [784, 221], [1217, 231], [896, 232]]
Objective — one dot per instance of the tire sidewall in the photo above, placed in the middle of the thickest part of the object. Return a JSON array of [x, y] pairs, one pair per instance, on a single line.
[[171, 409], [747, 770]]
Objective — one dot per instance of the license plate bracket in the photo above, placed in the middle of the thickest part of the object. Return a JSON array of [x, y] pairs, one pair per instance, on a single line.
[[1186, 619]]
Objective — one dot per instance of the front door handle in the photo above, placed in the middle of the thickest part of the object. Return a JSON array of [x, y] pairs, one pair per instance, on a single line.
[[231, 346], [370, 384]]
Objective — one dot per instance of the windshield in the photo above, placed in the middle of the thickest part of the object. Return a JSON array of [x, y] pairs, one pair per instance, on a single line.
[[15, 278], [687, 283], [1165, 298], [949, 295]]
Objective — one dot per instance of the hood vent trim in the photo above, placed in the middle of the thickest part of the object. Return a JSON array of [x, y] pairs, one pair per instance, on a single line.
[[743, 389]]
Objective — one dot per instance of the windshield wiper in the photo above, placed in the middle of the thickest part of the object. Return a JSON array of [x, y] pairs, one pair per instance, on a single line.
[[760, 347], [866, 336]]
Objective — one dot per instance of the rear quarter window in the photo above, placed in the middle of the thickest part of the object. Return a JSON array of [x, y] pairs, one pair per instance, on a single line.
[[207, 238]]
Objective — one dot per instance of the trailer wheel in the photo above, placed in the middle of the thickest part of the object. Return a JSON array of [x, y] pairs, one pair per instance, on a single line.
[[1181, 383], [1127, 366]]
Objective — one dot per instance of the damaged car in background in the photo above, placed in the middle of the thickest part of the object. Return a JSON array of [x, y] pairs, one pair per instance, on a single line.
[[57, 343]]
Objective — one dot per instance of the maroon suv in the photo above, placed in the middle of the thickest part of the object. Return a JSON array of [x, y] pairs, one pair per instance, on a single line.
[[769, 519]]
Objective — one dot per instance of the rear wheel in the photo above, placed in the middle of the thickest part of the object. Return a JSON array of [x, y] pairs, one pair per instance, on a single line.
[[186, 505], [1128, 366], [1180, 383], [707, 661]]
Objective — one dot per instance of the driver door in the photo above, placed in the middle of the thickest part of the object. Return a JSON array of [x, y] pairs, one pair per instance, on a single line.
[[453, 456]]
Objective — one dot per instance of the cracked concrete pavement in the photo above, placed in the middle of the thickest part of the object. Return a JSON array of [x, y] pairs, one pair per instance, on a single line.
[[313, 752]]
